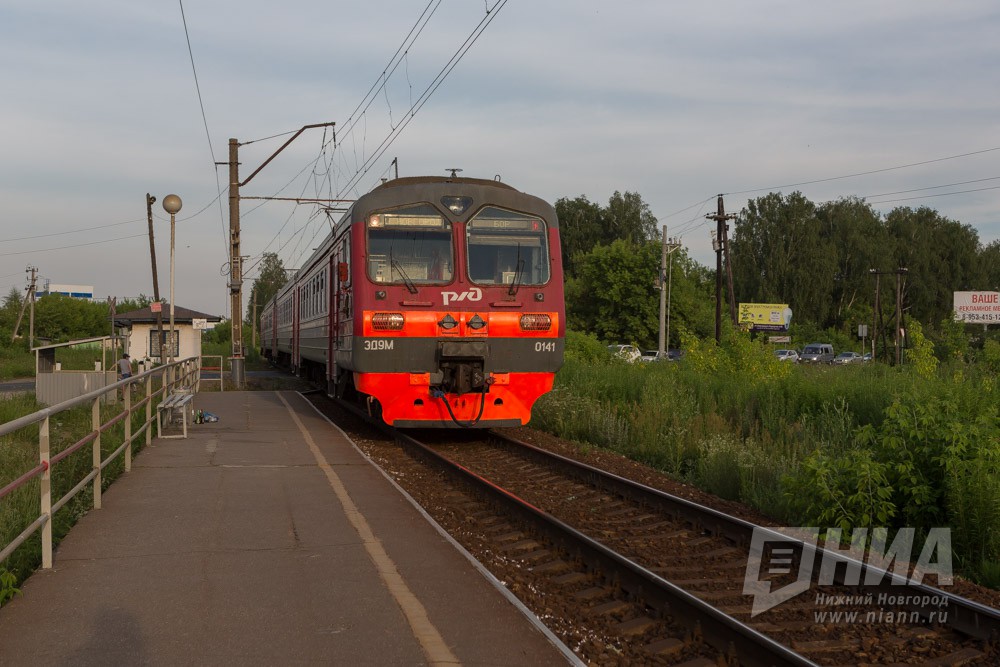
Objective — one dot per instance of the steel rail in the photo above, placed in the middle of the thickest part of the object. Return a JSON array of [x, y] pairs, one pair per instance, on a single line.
[[966, 616], [722, 632]]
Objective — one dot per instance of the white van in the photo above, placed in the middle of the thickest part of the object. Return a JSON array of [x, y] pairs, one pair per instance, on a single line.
[[817, 353]]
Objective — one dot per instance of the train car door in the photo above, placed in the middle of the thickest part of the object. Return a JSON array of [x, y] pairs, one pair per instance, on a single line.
[[339, 319], [333, 287], [274, 329], [296, 362]]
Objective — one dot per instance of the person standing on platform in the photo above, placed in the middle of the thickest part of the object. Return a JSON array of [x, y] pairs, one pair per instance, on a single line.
[[125, 367]]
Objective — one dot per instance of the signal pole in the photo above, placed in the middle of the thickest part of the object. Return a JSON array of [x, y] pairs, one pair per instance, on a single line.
[[720, 218]]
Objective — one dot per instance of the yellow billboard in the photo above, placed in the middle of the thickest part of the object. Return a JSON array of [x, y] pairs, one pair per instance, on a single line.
[[765, 316]]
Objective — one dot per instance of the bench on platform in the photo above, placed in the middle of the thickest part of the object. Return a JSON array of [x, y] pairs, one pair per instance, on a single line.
[[179, 404]]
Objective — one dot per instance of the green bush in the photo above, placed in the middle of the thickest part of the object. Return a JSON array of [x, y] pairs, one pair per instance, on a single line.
[[857, 446]]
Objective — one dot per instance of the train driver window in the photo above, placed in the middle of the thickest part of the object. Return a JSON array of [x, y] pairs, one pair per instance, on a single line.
[[410, 245], [505, 248]]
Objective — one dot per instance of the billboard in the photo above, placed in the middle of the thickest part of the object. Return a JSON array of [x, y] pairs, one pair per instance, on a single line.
[[765, 316], [977, 307]]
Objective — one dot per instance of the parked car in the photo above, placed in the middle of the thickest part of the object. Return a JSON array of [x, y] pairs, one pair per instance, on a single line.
[[674, 355], [818, 353], [848, 358], [629, 353], [867, 357], [654, 355], [787, 355]]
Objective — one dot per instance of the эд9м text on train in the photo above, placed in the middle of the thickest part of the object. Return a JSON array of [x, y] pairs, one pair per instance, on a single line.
[[437, 300]]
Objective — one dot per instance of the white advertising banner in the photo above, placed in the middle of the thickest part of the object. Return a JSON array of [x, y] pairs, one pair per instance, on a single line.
[[977, 307]]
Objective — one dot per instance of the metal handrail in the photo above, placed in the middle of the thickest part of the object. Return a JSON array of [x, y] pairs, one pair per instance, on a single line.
[[222, 375], [184, 373]]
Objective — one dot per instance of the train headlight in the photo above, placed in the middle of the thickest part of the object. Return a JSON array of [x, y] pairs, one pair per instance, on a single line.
[[375, 221], [457, 205], [536, 322], [387, 321]]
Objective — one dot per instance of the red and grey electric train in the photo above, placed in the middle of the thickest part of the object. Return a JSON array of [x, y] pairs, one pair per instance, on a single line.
[[437, 300]]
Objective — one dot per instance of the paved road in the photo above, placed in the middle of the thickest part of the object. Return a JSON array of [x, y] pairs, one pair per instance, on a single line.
[[9, 386], [28, 384]]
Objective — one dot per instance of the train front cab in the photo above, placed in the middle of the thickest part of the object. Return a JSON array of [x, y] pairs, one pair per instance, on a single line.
[[458, 334]]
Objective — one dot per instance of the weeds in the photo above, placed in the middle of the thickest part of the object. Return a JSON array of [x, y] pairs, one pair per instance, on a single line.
[[865, 446]]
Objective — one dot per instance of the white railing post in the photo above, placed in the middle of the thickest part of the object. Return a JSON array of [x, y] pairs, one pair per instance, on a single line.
[[45, 487], [95, 413], [128, 427]]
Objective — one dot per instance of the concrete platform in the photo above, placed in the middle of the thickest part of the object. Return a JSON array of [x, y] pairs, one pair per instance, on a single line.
[[265, 538]]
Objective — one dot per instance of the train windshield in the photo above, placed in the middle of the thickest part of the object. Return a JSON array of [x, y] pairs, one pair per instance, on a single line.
[[507, 248], [408, 246]]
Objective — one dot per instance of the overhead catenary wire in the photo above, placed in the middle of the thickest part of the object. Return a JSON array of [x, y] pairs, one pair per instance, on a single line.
[[429, 91], [363, 163], [208, 135], [73, 231], [77, 245]]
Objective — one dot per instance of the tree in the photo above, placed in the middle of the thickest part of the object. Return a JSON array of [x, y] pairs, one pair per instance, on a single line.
[[613, 296], [60, 318], [8, 314], [780, 254], [583, 225], [941, 256], [629, 218], [989, 262], [271, 278], [579, 229], [859, 243]]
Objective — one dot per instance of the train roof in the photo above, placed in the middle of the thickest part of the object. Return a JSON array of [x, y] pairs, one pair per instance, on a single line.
[[416, 180]]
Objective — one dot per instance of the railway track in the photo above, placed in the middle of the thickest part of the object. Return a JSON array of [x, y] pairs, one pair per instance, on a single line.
[[631, 575]]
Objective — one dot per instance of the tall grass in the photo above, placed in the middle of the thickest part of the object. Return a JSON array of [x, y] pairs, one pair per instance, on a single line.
[[16, 362], [19, 453], [850, 446]]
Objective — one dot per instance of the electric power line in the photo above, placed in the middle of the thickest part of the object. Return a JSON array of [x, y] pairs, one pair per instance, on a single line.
[[78, 245], [865, 173], [208, 135]]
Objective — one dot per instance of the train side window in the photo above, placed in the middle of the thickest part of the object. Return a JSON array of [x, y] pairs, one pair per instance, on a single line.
[[506, 247]]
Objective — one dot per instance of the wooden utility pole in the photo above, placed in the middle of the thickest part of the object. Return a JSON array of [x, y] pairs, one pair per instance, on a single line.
[[720, 218], [150, 200], [876, 315], [899, 315], [879, 325]]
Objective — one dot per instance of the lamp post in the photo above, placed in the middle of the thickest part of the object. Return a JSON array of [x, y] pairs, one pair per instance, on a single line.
[[172, 205]]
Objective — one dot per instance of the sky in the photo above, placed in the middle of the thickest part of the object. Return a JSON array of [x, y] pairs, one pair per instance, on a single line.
[[895, 101]]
